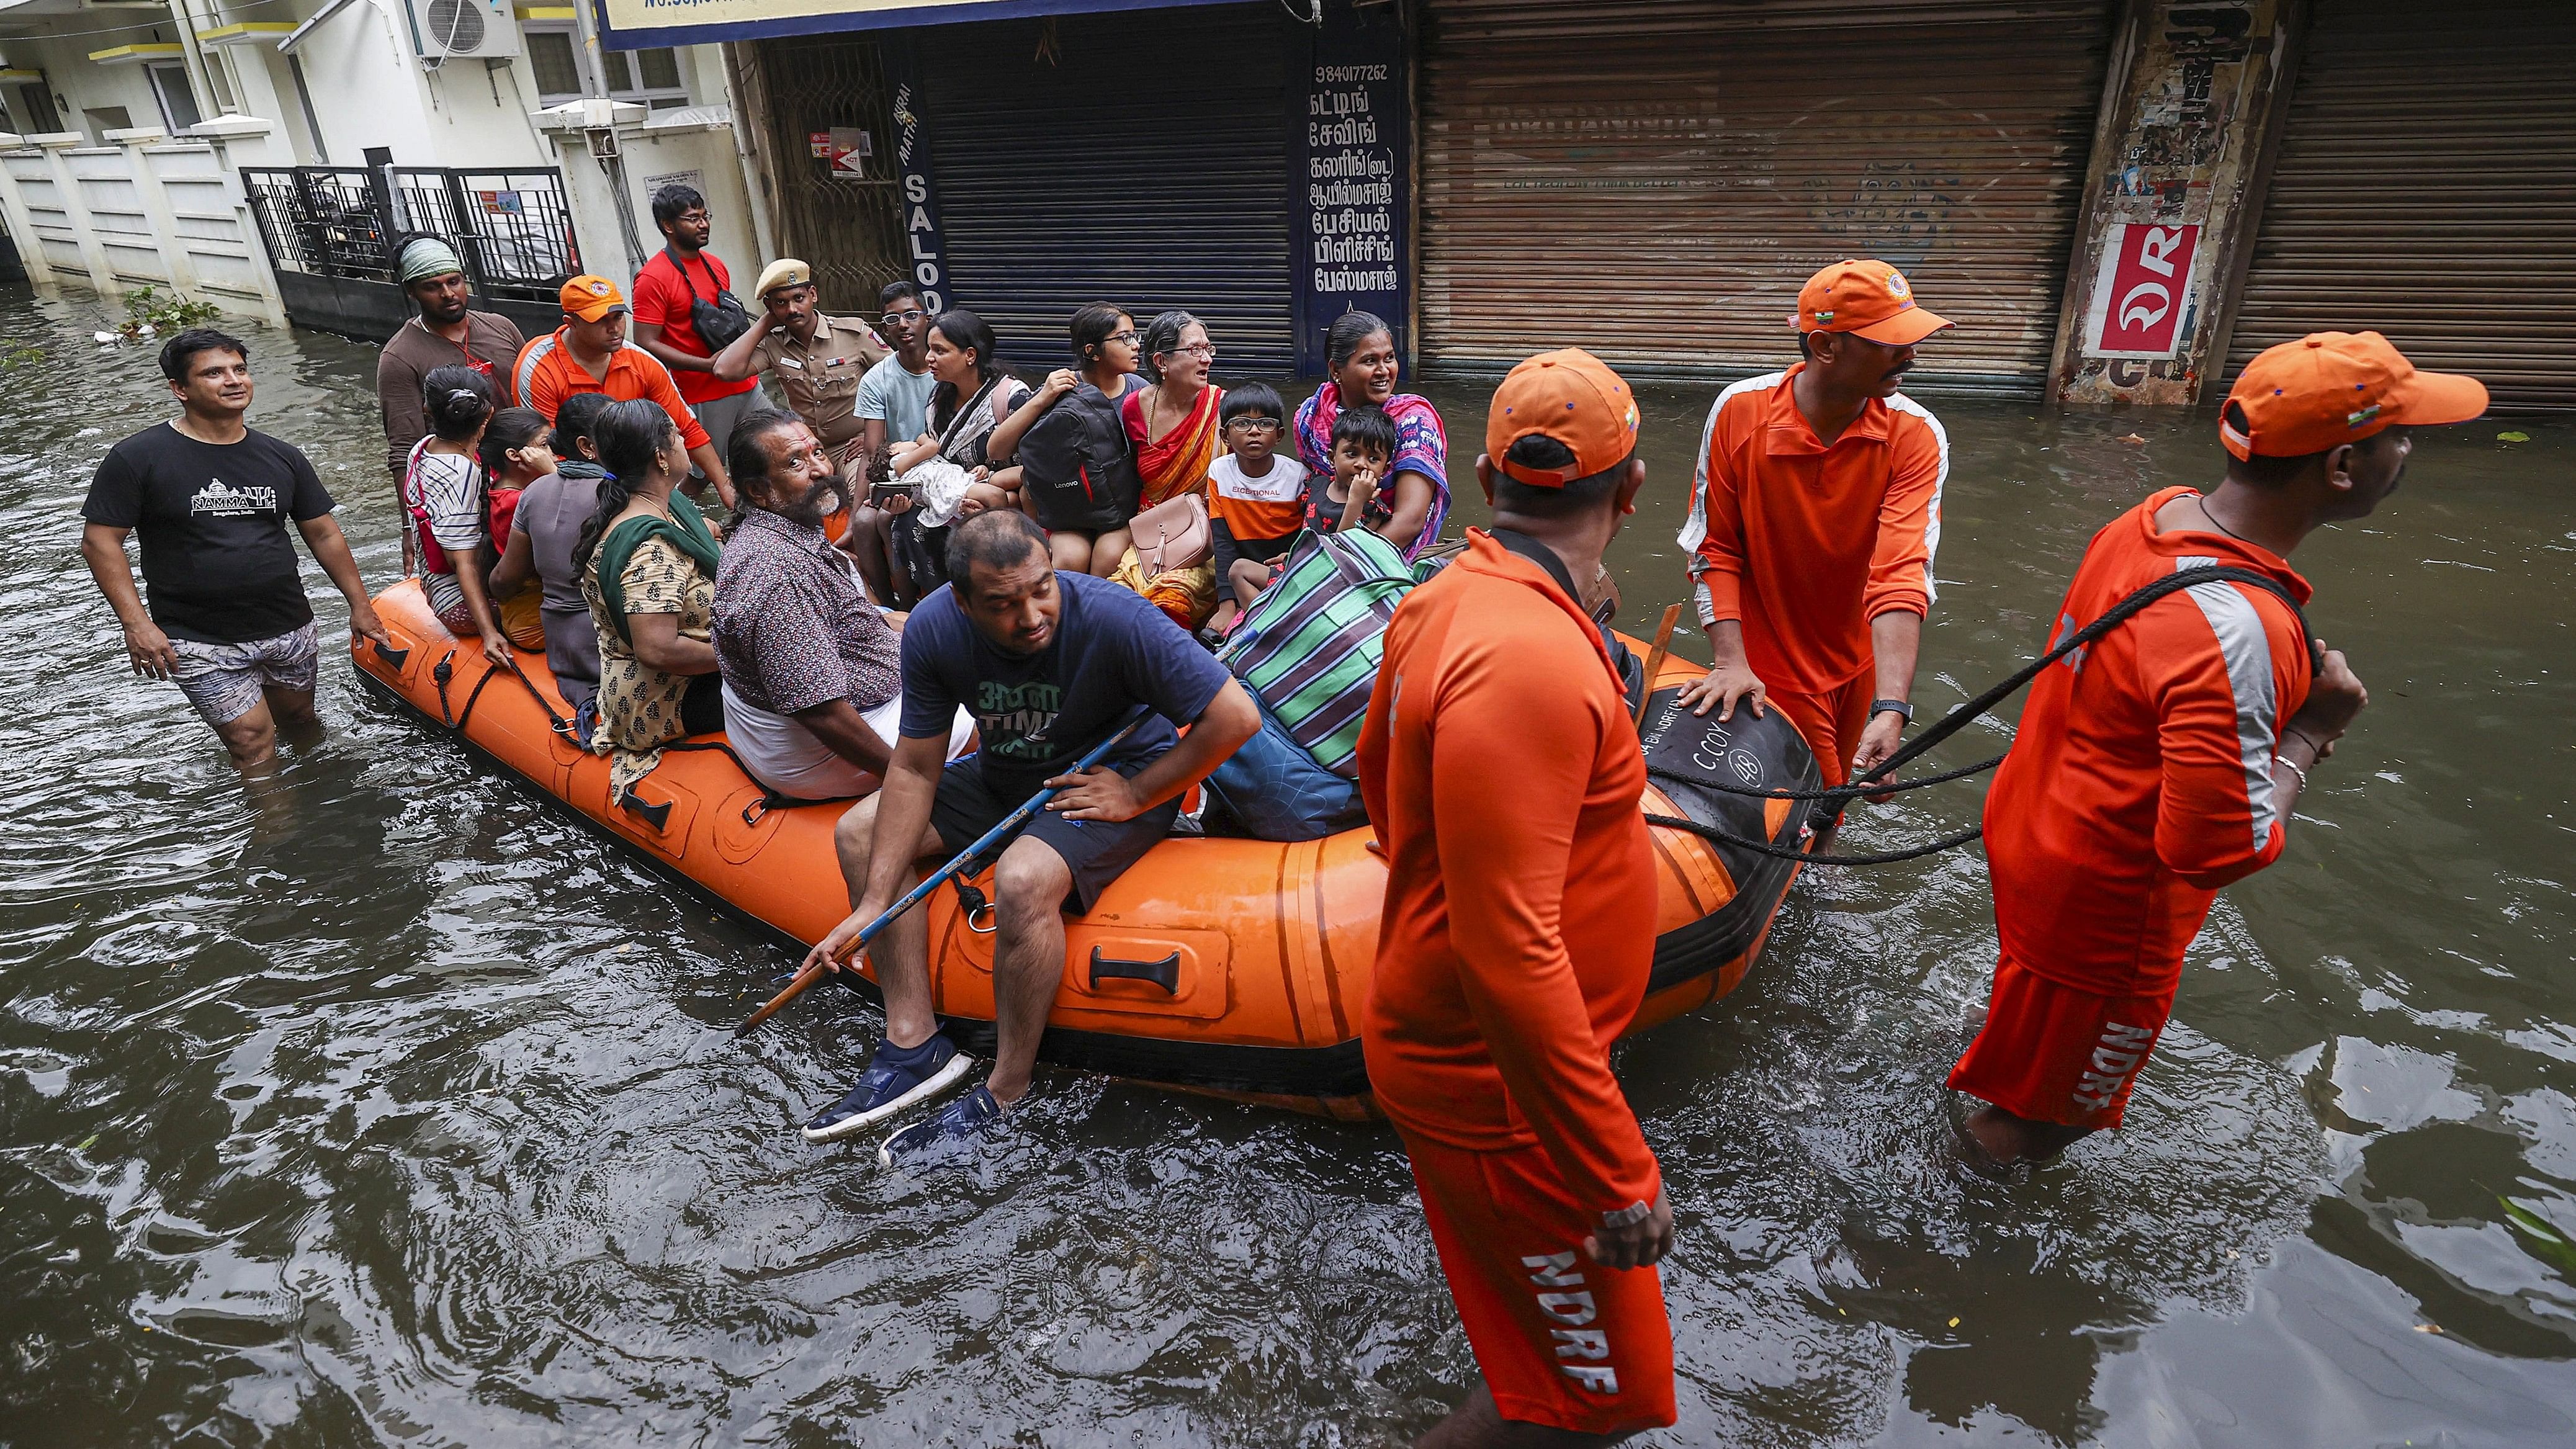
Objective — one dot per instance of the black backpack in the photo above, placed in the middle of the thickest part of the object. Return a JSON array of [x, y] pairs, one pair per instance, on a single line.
[[718, 323]]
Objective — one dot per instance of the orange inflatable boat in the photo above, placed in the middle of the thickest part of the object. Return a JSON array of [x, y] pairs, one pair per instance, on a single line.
[[1215, 964]]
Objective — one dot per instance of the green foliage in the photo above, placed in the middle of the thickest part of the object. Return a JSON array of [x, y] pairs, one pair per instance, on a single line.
[[148, 312]]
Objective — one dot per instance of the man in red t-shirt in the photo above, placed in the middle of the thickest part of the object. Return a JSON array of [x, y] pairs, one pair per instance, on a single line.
[[1518, 931], [684, 272], [2162, 761]]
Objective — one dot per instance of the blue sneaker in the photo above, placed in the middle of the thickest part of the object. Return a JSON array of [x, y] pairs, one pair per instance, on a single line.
[[896, 1078], [959, 1126]]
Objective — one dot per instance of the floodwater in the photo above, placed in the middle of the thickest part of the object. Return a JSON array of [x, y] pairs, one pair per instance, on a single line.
[[382, 1105]]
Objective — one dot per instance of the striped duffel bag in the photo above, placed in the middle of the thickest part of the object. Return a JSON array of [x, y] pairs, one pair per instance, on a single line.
[[1310, 645]]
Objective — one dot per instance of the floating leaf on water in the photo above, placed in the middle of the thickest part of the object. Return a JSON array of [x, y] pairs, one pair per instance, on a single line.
[[1954, 1323], [2513, 437], [87, 1143], [2551, 1244]]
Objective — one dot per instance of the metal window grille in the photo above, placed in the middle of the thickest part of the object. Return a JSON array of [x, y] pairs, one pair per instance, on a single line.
[[511, 228]]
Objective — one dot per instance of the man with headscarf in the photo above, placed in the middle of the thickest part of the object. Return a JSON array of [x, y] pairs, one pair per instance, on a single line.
[[444, 331]]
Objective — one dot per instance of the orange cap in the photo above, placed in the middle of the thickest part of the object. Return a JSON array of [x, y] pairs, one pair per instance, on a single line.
[[2332, 388], [1571, 396], [591, 298], [1864, 297]]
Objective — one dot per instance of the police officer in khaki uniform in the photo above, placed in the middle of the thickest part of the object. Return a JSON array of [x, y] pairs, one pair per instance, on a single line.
[[817, 360]]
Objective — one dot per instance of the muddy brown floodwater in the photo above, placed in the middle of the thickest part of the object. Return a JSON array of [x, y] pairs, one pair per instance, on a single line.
[[384, 1105]]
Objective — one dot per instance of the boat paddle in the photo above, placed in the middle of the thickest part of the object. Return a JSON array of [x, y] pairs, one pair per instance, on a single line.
[[1655, 659], [965, 859]]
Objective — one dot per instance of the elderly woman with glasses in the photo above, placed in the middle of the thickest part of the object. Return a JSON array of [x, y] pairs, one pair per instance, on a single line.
[[1173, 430], [1077, 468]]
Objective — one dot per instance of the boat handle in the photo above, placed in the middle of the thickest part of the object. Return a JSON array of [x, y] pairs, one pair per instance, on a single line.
[[657, 816], [393, 657], [1165, 973]]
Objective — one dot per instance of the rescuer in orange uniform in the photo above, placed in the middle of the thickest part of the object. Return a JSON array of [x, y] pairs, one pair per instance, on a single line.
[[1813, 522], [2162, 762], [1519, 929]]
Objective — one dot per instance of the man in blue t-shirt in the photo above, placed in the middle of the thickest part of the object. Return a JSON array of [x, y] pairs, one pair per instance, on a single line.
[[1050, 664]]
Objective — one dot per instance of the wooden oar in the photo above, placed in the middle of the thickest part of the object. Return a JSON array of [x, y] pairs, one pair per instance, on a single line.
[[808, 975], [1655, 659]]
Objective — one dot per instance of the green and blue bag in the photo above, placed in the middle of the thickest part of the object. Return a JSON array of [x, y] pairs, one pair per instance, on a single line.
[[1311, 644]]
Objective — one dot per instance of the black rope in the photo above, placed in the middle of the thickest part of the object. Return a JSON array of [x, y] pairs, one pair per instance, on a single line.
[[770, 798], [1723, 836], [558, 723], [1834, 792], [1875, 783]]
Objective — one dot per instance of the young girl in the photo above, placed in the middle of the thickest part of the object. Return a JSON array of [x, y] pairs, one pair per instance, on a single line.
[[443, 489], [515, 453], [1078, 473], [542, 532]]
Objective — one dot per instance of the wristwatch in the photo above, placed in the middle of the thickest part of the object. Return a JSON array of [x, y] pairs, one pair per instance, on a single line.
[[1896, 707]]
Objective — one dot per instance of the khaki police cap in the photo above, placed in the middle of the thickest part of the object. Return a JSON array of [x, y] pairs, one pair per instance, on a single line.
[[784, 272]]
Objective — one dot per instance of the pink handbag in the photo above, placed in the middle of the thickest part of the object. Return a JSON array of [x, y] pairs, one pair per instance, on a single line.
[[1172, 535]]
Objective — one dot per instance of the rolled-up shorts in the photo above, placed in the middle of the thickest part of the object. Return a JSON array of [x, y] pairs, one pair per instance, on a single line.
[[1097, 851], [2053, 1053], [1561, 1340], [227, 681]]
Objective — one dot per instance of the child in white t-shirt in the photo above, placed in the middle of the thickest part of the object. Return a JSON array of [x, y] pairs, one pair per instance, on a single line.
[[1257, 497]]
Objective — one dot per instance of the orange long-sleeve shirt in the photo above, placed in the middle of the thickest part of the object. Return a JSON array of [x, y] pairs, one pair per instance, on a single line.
[[2140, 778], [545, 375], [1503, 775], [1807, 543]]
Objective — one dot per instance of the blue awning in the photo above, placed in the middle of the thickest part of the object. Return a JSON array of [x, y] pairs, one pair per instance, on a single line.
[[632, 24]]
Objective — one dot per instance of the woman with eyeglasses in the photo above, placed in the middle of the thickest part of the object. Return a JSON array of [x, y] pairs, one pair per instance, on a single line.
[[1077, 470], [1409, 507], [1172, 426]]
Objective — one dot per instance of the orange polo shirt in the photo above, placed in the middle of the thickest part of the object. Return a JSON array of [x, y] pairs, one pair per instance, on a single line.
[[545, 375], [2140, 778], [1502, 774], [1807, 543]]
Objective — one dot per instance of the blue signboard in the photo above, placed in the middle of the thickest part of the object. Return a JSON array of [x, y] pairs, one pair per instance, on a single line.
[[928, 252]]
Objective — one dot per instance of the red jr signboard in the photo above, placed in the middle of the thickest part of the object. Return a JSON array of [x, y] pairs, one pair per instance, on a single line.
[[2139, 295]]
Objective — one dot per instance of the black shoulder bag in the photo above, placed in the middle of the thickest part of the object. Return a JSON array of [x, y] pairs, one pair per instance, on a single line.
[[720, 323]]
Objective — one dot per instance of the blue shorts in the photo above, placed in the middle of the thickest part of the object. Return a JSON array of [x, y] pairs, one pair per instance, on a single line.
[[1097, 851]]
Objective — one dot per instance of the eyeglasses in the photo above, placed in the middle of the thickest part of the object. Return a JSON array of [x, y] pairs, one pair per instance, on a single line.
[[892, 319], [1204, 351], [1131, 337], [1254, 425]]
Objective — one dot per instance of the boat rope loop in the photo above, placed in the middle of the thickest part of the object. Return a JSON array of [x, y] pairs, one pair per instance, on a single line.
[[1876, 781]]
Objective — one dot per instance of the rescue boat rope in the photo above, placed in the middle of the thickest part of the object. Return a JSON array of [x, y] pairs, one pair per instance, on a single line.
[[1876, 783]]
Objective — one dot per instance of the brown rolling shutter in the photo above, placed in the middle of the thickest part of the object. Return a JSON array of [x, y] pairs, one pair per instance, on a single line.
[[2426, 188], [1654, 180]]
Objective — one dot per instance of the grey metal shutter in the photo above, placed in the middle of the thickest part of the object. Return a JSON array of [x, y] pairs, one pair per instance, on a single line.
[[2426, 188], [1654, 180], [1140, 158]]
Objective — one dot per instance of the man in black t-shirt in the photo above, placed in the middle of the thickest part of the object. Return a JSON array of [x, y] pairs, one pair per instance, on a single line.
[[209, 500]]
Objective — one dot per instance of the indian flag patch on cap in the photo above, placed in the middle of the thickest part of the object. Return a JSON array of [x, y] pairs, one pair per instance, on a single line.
[[2354, 420]]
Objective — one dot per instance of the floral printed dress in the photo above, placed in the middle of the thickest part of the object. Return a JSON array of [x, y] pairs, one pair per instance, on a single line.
[[639, 706]]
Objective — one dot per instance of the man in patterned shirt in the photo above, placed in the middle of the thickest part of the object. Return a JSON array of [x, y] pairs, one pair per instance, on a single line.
[[813, 682]]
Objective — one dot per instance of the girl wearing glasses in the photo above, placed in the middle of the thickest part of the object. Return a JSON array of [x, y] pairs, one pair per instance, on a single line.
[[1078, 473]]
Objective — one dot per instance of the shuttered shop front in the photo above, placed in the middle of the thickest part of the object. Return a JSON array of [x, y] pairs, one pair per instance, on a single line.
[[1654, 180], [1135, 157], [2426, 188]]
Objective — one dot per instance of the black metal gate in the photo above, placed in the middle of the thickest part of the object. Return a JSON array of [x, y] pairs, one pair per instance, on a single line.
[[329, 231], [845, 224]]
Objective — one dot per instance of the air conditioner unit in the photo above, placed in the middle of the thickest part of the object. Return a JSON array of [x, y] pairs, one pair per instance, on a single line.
[[462, 29]]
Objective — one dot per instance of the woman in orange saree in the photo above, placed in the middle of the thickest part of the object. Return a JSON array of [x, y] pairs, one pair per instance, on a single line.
[[1173, 428]]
